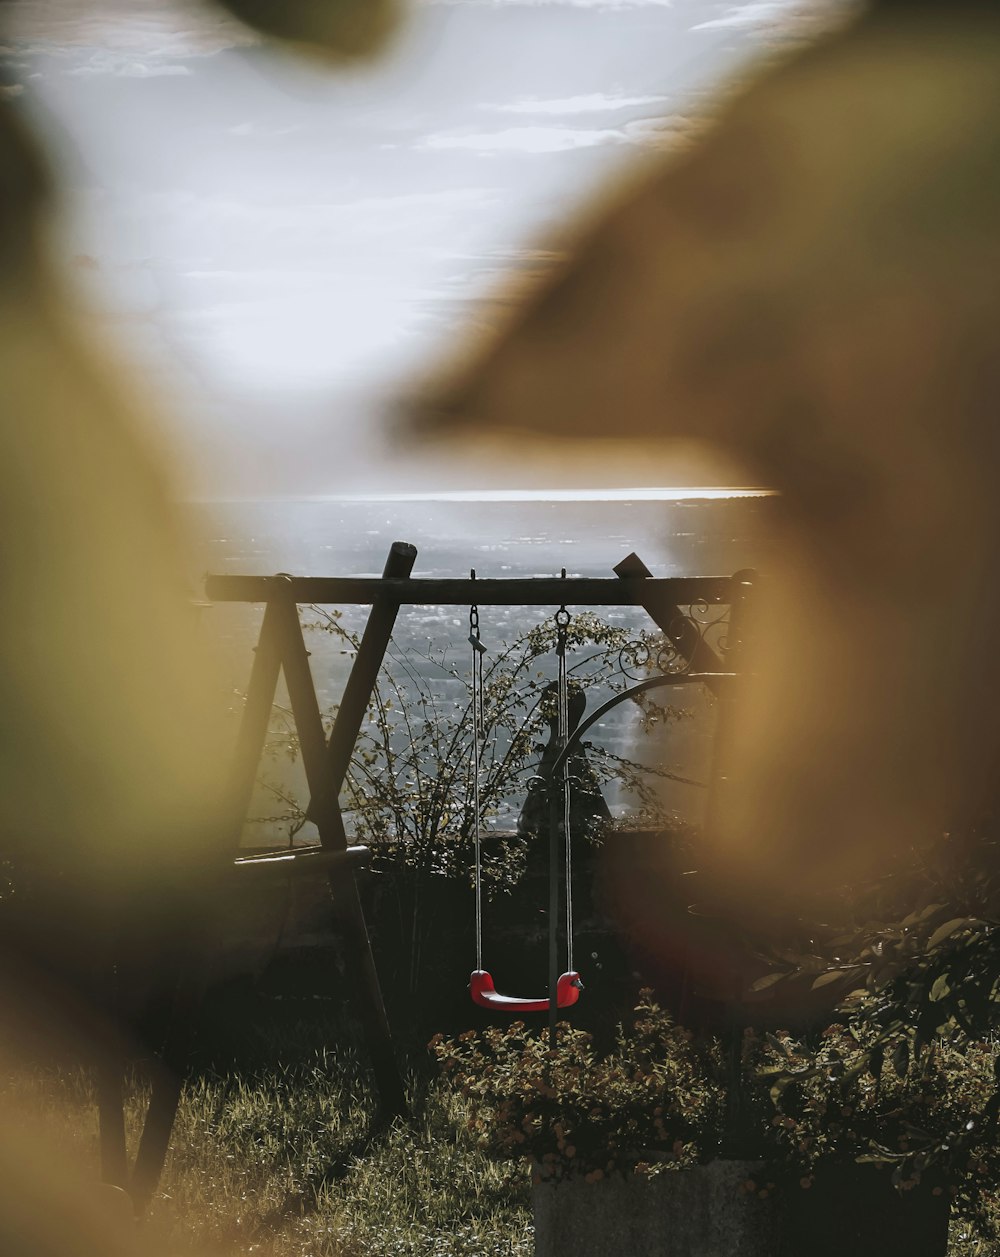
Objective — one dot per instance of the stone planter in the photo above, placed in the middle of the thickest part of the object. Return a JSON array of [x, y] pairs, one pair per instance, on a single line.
[[697, 1212], [853, 1211]]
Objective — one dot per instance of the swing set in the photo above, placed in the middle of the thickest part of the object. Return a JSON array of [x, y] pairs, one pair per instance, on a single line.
[[281, 648]]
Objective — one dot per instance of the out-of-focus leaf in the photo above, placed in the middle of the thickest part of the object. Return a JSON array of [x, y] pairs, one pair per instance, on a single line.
[[940, 988], [768, 980], [831, 975], [945, 931]]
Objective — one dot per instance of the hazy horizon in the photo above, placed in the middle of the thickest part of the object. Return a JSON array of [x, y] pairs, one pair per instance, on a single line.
[[637, 494]]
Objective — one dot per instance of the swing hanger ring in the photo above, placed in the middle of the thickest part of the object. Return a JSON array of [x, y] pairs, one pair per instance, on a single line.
[[474, 619], [562, 617]]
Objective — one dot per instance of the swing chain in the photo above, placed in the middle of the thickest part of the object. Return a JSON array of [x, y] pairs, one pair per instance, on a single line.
[[562, 621], [478, 737]]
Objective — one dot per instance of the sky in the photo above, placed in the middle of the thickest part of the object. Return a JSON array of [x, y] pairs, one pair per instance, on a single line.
[[276, 247]]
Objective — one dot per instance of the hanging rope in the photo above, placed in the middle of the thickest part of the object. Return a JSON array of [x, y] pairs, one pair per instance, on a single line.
[[478, 650], [562, 731]]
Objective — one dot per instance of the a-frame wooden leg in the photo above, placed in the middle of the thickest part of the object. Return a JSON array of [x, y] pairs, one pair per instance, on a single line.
[[740, 608], [364, 674], [109, 1074], [256, 718], [170, 1069], [280, 648], [325, 812]]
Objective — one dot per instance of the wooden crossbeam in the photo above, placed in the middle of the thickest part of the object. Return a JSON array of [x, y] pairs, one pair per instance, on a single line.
[[576, 591]]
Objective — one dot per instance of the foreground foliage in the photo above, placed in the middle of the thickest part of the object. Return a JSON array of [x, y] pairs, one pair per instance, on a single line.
[[288, 1163], [661, 1098], [852, 1098], [653, 1099]]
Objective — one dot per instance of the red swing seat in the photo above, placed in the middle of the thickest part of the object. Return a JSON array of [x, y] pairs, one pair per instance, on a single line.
[[485, 994]]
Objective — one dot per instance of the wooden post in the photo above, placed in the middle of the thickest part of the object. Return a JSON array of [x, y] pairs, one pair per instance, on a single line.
[[170, 1069], [256, 717], [324, 810], [743, 583], [154, 1141], [111, 1117], [364, 675]]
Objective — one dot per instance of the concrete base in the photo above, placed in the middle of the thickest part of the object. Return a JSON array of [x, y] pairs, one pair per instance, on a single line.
[[853, 1211], [698, 1212]]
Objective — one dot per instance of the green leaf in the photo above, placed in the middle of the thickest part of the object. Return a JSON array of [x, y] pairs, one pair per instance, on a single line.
[[945, 931], [940, 988], [778, 1089], [831, 975], [768, 980]]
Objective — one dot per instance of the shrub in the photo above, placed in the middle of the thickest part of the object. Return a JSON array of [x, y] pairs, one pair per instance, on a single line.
[[408, 792], [854, 1097], [652, 1102]]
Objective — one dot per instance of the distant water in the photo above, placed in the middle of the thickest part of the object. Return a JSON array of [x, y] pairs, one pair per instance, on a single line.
[[500, 535]]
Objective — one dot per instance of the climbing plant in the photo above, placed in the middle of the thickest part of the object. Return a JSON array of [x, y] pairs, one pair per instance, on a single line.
[[408, 790]]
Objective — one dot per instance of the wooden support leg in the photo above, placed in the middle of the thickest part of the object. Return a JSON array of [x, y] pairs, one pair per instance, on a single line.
[[155, 1140], [170, 1070], [364, 674], [325, 812], [256, 717], [111, 1119], [739, 610]]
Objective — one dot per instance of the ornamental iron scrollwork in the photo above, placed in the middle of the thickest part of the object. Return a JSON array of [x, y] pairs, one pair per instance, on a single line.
[[682, 647]]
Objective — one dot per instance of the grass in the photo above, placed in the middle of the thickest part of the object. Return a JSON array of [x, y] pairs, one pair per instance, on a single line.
[[289, 1162]]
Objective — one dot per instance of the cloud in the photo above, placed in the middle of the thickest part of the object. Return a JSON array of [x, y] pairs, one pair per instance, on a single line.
[[750, 15], [669, 132], [792, 19], [563, 4], [127, 67], [593, 102], [147, 33], [498, 274], [520, 140]]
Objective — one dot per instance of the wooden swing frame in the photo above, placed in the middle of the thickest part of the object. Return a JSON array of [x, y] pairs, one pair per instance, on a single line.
[[281, 648]]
